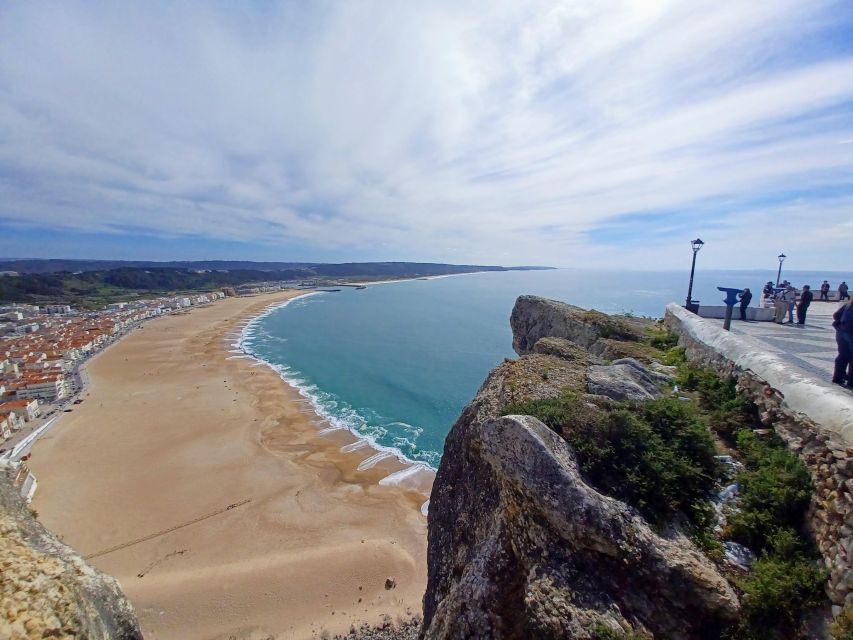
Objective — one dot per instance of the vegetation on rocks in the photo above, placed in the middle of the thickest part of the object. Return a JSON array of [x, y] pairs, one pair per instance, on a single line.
[[659, 456], [656, 456]]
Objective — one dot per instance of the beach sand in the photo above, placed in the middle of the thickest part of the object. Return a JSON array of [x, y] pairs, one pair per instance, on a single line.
[[175, 429]]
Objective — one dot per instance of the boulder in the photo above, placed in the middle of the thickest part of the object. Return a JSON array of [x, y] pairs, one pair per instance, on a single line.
[[622, 382], [521, 547], [652, 371]]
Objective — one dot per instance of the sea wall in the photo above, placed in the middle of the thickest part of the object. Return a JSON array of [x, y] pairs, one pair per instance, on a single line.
[[813, 418]]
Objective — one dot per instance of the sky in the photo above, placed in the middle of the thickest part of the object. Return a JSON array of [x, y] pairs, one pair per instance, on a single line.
[[601, 133]]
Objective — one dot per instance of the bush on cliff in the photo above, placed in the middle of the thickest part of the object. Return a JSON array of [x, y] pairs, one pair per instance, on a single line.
[[775, 490], [776, 592], [728, 410], [786, 580], [656, 456]]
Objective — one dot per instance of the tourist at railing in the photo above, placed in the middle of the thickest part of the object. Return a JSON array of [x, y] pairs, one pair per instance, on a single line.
[[745, 298], [790, 296], [802, 308], [781, 305], [842, 292], [824, 291]]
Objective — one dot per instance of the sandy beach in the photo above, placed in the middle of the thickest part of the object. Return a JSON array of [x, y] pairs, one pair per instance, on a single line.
[[200, 481]]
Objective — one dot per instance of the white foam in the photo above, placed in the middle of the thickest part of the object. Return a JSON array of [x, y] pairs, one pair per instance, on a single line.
[[327, 430], [355, 446], [375, 459], [313, 396], [425, 509]]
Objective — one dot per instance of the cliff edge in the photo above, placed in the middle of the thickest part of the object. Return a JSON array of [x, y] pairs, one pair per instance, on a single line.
[[48, 590], [520, 545]]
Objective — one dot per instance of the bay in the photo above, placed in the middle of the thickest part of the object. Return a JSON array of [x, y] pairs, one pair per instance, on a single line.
[[397, 362]]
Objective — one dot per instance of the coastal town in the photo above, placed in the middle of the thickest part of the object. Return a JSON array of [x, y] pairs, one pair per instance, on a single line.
[[42, 350]]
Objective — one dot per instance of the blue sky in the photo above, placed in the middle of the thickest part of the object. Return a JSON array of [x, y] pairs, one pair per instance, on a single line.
[[585, 133]]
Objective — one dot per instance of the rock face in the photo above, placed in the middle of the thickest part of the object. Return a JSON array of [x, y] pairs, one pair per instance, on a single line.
[[534, 318], [521, 547], [47, 589], [622, 381]]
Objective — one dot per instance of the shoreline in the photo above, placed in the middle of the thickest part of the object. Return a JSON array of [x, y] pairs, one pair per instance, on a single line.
[[416, 475], [164, 441]]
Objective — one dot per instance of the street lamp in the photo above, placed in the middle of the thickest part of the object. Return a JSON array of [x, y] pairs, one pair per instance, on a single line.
[[781, 257], [695, 245]]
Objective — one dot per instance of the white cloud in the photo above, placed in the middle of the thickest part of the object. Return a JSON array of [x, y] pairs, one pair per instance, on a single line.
[[444, 131]]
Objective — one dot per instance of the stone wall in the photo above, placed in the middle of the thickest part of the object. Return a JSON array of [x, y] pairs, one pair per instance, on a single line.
[[813, 418]]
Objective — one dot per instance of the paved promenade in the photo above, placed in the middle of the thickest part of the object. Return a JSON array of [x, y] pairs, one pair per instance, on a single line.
[[810, 347]]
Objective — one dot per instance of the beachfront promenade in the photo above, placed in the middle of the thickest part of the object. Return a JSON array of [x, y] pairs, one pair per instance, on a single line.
[[810, 348]]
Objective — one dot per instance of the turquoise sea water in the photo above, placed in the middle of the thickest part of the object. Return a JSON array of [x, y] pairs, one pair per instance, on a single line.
[[397, 362]]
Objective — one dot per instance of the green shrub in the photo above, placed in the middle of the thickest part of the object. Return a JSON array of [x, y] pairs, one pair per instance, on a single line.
[[775, 493], [601, 632], [733, 415], [675, 357], [776, 593], [661, 338], [656, 456], [842, 627]]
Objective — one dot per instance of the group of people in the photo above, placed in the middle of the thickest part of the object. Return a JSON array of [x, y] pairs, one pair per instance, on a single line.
[[843, 291], [784, 298]]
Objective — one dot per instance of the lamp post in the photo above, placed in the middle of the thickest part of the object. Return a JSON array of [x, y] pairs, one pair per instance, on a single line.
[[781, 257], [695, 245]]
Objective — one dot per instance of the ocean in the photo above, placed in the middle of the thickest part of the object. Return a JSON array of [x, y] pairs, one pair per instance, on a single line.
[[396, 362]]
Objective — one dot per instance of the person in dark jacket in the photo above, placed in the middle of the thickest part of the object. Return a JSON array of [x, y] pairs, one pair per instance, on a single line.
[[824, 291], [842, 292], [842, 320], [745, 298], [806, 298]]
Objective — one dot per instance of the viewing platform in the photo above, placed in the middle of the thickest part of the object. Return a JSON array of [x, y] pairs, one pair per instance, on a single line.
[[810, 347]]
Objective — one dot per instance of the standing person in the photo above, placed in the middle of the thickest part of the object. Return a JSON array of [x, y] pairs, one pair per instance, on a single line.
[[842, 292], [805, 300], [780, 305], [842, 321], [791, 298], [824, 291], [745, 298], [767, 293]]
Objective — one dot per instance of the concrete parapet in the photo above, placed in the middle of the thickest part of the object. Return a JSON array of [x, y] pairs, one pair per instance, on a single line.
[[759, 314], [814, 419]]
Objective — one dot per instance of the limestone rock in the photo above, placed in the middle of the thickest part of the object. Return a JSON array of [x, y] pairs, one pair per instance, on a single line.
[[562, 348], [520, 547], [49, 590], [534, 318], [625, 381], [656, 371]]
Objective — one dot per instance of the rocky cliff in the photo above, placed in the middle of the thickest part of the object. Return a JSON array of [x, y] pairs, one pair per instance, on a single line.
[[47, 590], [520, 546]]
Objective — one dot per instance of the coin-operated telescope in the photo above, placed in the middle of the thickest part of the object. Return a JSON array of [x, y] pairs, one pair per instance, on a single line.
[[731, 301]]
